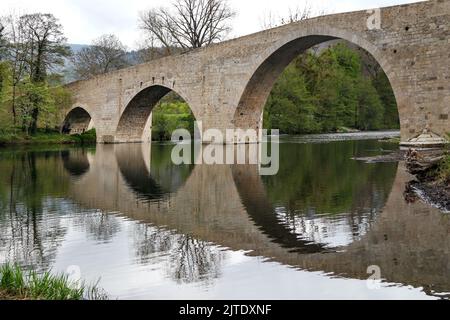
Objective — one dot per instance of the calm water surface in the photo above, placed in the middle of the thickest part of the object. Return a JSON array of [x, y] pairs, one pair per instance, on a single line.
[[148, 229]]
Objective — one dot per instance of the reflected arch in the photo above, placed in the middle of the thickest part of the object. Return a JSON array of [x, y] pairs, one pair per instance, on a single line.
[[289, 217], [145, 175], [135, 124], [77, 121], [75, 162], [275, 59]]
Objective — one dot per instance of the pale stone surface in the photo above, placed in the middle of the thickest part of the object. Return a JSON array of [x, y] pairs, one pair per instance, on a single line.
[[426, 139], [227, 84]]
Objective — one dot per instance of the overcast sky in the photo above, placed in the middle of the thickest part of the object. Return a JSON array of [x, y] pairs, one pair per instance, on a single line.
[[84, 20]]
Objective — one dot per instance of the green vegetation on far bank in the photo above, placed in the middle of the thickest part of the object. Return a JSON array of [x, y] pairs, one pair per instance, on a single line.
[[18, 137], [326, 91], [16, 284], [171, 114]]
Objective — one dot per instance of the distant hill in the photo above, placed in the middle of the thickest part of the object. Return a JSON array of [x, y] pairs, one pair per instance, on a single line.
[[68, 69]]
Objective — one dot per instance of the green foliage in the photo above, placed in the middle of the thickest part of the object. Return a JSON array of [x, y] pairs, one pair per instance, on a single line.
[[5, 74], [45, 136], [88, 137], [34, 96], [62, 99], [370, 109], [383, 87], [444, 170], [290, 105], [29, 97], [15, 284], [35, 45], [327, 91], [169, 116]]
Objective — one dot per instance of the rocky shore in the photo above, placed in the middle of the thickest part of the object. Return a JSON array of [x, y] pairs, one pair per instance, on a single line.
[[431, 168], [432, 172]]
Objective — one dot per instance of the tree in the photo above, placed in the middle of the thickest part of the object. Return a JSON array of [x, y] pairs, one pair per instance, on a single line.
[[33, 96], [189, 24], [106, 54], [4, 79], [387, 97], [46, 44], [370, 109], [37, 46], [2, 41], [17, 52], [4, 68], [34, 47], [290, 104]]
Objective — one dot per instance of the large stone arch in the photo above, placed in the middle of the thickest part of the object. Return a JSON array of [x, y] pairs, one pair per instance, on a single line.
[[135, 122], [78, 120], [273, 61]]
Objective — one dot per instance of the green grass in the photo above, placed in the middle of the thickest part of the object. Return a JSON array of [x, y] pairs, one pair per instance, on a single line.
[[444, 170], [45, 137], [15, 284]]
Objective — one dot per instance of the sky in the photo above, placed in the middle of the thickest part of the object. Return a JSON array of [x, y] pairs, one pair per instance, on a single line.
[[85, 20]]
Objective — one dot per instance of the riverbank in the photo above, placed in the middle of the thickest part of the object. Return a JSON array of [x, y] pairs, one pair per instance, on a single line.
[[432, 172], [430, 167], [43, 137], [15, 284]]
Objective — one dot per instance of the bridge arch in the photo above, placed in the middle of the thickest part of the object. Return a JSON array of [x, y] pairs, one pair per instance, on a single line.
[[135, 122], [274, 60], [77, 121]]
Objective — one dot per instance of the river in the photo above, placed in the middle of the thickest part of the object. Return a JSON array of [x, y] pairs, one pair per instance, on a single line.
[[324, 227]]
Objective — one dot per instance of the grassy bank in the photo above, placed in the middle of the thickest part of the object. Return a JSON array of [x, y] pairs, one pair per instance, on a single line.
[[15, 284], [442, 173], [46, 137]]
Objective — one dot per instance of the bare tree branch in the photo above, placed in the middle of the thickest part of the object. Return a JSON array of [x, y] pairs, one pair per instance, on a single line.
[[188, 24], [106, 54], [271, 20]]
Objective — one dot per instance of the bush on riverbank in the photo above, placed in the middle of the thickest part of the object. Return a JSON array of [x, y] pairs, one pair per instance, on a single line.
[[15, 284], [18, 137], [89, 137], [443, 171]]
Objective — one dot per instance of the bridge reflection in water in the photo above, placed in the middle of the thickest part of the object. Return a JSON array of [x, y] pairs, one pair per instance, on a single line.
[[408, 242], [188, 220]]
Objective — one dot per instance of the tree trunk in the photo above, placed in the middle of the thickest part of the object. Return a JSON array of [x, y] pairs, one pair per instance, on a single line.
[[13, 105], [34, 117]]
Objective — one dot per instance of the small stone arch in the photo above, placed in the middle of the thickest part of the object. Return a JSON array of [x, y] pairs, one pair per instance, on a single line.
[[77, 121], [135, 122]]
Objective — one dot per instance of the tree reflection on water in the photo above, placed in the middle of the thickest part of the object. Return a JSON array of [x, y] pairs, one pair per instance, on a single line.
[[186, 259]]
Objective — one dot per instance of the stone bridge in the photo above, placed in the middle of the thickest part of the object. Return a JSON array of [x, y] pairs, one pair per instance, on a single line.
[[227, 84]]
